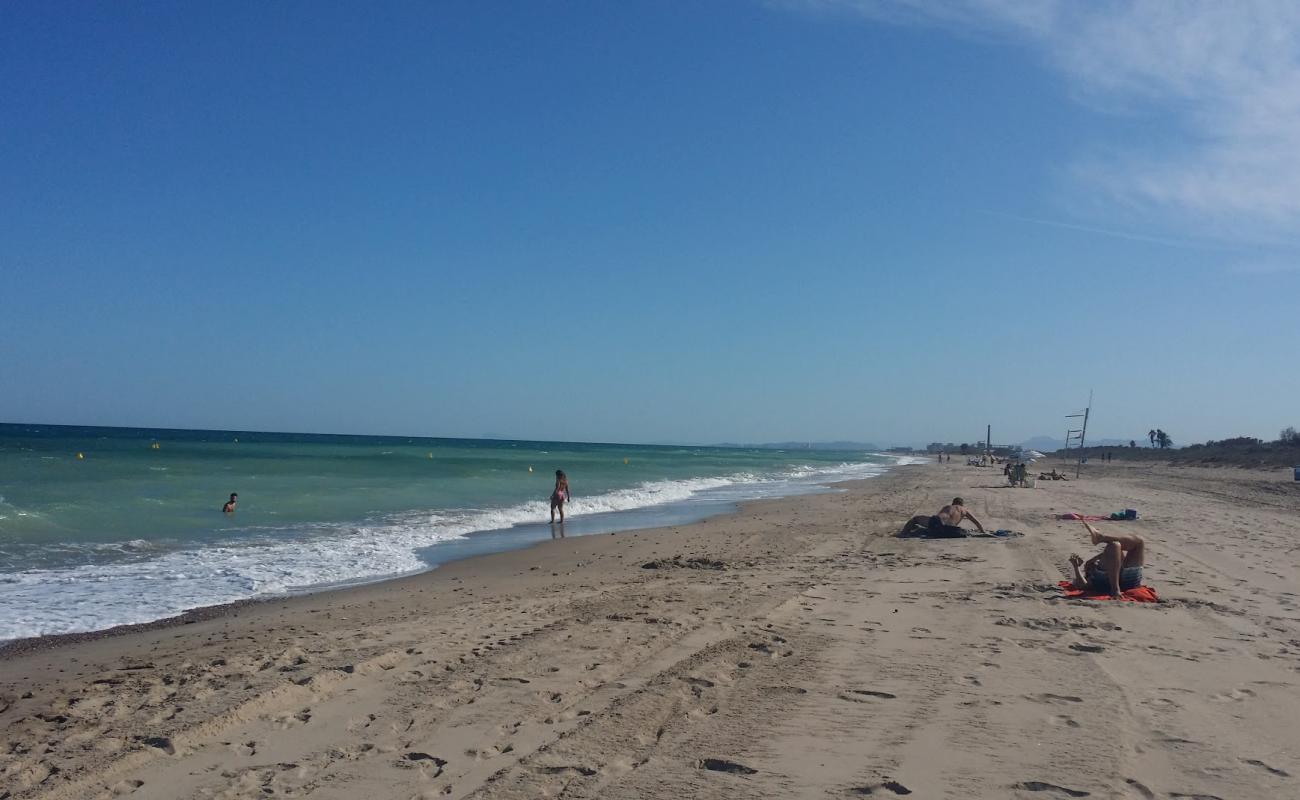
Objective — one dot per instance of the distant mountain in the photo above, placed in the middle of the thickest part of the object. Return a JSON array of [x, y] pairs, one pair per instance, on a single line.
[[1045, 444]]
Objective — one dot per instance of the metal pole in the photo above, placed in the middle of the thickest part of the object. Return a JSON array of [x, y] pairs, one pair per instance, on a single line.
[[1083, 435], [988, 440]]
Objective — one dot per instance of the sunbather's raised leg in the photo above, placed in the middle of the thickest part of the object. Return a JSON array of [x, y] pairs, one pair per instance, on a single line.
[[1112, 562], [1132, 545]]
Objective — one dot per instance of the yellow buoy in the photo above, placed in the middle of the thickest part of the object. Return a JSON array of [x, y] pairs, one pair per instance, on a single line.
[[156, 446], [625, 461], [80, 456]]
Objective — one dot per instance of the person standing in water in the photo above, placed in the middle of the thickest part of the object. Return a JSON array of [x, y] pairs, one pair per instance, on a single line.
[[229, 507], [560, 495]]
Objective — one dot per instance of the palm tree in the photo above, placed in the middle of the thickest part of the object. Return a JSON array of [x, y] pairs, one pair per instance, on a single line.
[[1163, 439], [1151, 434]]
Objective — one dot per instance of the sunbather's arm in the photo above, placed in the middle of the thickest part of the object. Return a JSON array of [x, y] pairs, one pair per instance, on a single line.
[[1080, 582], [971, 517]]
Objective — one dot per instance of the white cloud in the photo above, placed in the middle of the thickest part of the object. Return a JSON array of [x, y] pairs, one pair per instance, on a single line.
[[1226, 73]]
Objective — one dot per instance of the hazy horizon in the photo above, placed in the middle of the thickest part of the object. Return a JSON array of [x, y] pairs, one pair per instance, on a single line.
[[867, 440]]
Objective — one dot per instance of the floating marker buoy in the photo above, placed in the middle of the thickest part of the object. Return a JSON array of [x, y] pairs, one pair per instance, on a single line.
[[625, 461], [530, 469], [236, 440], [80, 456], [431, 455]]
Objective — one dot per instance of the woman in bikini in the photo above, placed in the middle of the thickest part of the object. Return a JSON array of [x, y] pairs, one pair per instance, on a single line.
[[560, 495]]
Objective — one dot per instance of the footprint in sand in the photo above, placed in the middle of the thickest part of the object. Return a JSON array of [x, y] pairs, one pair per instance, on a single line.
[[248, 748], [1168, 738], [1235, 696], [866, 695], [567, 769], [887, 786], [1054, 699], [1162, 704], [125, 787], [360, 723], [430, 765], [1255, 762], [292, 719], [158, 743], [1040, 786], [722, 765]]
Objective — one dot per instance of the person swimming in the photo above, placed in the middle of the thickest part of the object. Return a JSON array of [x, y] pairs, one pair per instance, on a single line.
[[229, 507], [560, 495]]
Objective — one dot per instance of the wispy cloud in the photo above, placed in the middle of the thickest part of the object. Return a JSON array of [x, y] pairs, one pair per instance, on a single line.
[[1226, 73], [1194, 244]]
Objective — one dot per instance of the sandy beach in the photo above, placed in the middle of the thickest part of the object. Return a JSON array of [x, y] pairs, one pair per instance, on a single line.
[[793, 649]]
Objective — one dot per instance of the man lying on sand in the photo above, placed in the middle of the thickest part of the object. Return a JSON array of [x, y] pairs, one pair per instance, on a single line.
[[1117, 568], [944, 525]]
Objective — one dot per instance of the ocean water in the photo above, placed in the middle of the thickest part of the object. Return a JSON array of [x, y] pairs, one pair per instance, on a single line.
[[106, 526]]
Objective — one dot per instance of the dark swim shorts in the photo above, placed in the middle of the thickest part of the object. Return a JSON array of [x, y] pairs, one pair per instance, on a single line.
[[1129, 578], [938, 530]]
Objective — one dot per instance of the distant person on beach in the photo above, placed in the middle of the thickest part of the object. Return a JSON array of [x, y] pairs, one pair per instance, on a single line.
[[1117, 568], [229, 507], [560, 495], [1019, 473], [944, 525]]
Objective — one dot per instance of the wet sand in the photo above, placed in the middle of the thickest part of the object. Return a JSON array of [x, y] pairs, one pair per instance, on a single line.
[[794, 649]]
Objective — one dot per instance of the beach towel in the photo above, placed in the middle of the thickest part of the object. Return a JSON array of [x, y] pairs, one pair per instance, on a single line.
[[1118, 516], [1142, 594]]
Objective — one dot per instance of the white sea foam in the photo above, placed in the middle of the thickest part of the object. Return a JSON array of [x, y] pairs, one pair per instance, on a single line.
[[904, 460], [154, 585]]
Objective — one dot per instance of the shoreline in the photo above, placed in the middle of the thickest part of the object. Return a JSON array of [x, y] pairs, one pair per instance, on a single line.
[[32, 644], [793, 648], [81, 552]]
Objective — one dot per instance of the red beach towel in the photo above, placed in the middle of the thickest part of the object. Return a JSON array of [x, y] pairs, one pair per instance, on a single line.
[[1142, 594]]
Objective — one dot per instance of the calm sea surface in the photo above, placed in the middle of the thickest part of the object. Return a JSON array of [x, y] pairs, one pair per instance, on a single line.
[[131, 530]]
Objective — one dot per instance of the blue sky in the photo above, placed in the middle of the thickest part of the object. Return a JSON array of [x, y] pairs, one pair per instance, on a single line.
[[743, 221]]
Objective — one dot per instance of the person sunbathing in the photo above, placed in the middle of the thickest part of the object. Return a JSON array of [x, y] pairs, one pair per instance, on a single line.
[[1117, 568], [944, 525]]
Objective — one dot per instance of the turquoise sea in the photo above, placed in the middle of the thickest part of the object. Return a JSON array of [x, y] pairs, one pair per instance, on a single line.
[[106, 526]]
